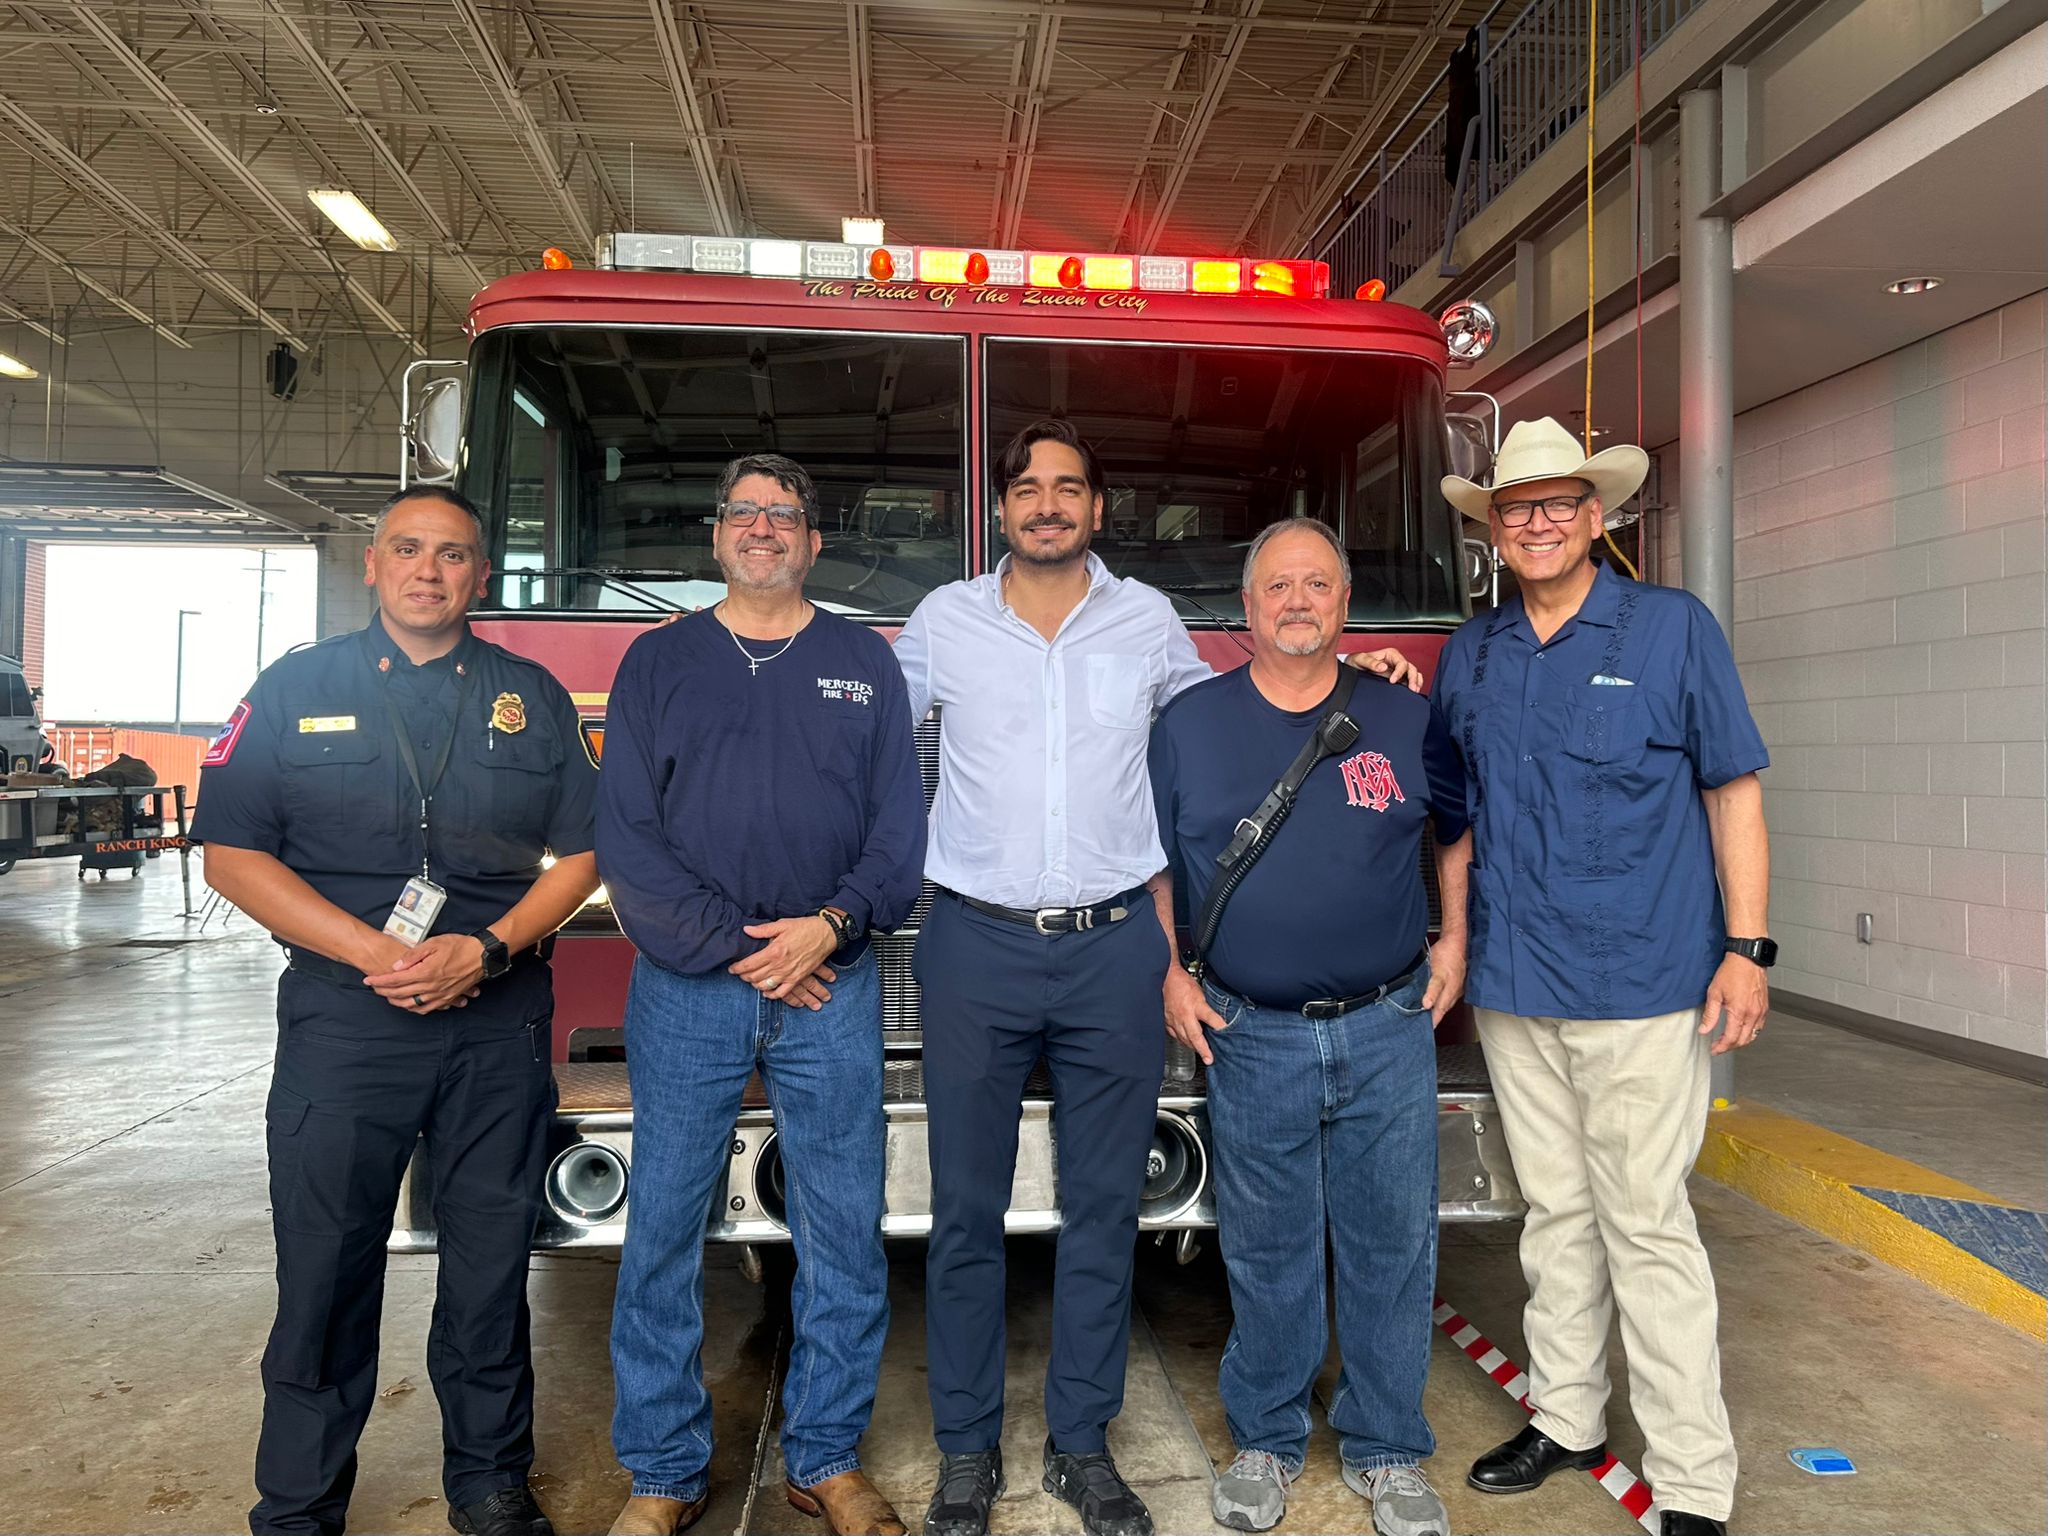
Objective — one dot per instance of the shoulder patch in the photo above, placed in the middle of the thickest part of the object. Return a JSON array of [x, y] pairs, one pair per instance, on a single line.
[[223, 745]]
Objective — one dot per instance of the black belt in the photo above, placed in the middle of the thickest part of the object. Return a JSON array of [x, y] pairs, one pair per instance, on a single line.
[[306, 962], [1337, 1007], [1051, 920]]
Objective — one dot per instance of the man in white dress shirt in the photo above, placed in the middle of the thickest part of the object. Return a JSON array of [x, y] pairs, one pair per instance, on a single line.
[[1043, 941]]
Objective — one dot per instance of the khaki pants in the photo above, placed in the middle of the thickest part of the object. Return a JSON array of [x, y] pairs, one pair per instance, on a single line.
[[1604, 1118]]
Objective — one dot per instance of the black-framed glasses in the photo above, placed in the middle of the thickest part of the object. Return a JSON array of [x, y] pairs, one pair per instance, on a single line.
[[744, 514], [1558, 509]]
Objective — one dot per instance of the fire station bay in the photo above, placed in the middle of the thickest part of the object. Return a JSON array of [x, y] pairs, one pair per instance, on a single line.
[[1024, 766]]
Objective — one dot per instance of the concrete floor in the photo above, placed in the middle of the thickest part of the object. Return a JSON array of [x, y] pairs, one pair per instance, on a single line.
[[135, 1293]]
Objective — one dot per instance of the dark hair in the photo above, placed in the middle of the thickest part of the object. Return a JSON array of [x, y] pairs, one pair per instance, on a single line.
[[785, 472], [1016, 455], [441, 493]]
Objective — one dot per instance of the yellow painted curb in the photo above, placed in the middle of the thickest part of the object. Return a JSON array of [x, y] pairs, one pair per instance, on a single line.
[[1810, 1174]]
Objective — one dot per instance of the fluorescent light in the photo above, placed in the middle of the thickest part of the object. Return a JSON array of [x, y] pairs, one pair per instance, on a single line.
[[347, 213], [1910, 285], [861, 231], [15, 368]]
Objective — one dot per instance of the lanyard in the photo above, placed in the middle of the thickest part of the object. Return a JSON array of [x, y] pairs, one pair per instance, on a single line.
[[426, 787]]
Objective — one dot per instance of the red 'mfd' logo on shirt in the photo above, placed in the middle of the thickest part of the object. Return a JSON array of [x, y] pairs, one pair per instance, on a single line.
[[1369, 781]]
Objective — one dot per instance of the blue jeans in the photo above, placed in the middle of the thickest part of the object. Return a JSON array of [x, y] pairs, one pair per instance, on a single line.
[[1327, 1125], [691, 1044]]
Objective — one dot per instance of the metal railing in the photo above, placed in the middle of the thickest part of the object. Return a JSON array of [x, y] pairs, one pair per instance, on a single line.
[[1529, 92]]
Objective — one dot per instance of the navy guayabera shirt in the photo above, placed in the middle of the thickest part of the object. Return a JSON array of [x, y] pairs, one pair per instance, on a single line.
[[308, 770], [1335, 905], [731, 796], [1593, 887]]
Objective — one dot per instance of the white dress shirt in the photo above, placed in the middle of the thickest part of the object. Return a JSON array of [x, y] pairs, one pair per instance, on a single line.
[[1043, 797]]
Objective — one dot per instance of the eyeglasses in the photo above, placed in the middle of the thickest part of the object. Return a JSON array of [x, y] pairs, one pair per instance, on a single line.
[[1558, 509], [744, 514]]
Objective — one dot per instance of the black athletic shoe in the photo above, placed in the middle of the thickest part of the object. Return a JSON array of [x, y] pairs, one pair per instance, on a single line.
[[1093, 1486], [1522, 1463], [969, 1486], [508, 1512], [1678, 1522]]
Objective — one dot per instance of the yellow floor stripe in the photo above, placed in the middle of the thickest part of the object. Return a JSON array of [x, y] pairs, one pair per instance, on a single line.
[[1810, 1175]]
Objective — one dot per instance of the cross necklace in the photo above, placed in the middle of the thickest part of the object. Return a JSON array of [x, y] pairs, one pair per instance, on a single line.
[[754, 662]]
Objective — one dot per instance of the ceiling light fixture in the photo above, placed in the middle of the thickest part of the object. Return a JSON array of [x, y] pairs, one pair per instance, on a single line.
[[15, 368], [347, 213], [861, 231], [1906, 285]]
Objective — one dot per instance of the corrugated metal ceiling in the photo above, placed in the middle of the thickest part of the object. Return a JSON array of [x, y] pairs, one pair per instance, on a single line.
[[155, 155]]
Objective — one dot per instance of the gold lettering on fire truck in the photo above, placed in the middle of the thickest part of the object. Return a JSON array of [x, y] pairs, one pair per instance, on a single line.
[[946, 296]]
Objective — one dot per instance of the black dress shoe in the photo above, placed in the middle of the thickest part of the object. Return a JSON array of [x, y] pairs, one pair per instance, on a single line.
[[969, 1485], [1522, 1463], [1678, 1523], [508, 1512], [1092, 1485]]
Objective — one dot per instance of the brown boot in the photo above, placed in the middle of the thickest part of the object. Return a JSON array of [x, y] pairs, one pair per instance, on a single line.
[[647, 1516], [851, 1505]]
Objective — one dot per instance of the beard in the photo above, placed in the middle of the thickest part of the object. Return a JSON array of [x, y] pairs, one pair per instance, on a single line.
[[1287, 647], [786, 574], [1024, 550]]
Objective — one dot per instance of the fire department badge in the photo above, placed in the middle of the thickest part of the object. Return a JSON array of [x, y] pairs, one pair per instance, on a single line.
[[508, 714]]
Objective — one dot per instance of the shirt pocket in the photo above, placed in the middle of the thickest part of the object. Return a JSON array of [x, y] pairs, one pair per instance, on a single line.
[[1603, 724], [1120, 691], [491, 814], [842, 734], [335, 780]]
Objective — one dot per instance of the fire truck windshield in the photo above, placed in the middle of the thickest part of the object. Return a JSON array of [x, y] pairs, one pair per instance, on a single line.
[[597, 452]]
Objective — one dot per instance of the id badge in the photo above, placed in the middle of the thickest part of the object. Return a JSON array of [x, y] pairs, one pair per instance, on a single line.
[[418, 905]]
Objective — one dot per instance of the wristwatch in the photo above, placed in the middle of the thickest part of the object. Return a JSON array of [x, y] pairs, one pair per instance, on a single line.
[[497, 958], [841, 923], [1763, 951]]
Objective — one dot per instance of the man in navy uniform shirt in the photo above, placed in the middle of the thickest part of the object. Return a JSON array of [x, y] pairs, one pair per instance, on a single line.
[[370, 772], [1619, 880], [761, 813], [1316, 1012]]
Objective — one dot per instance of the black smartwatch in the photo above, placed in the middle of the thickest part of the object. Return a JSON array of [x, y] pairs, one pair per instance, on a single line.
[[497, 958], [841, 924], [1763, 951]]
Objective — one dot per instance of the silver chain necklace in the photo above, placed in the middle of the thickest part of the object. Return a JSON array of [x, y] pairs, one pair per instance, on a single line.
[[754, 662]]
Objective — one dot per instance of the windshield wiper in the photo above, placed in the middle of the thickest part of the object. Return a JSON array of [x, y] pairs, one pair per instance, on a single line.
[[619, 578], [1186, 591]]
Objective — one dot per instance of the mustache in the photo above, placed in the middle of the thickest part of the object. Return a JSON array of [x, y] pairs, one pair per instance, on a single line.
[[1300, 616], [1048, 522]]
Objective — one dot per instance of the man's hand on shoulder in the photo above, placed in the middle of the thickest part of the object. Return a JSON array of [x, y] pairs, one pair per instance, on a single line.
[[1742, 988], [1446, 978], [787, 968], [1390, 664], [1188, 1013]]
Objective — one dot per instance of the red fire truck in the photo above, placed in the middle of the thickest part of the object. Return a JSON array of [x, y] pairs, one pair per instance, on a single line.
[[599, 406]]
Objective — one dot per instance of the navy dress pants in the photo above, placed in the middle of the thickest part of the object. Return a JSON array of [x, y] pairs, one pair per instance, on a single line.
[[996, 997], [356, 1082]]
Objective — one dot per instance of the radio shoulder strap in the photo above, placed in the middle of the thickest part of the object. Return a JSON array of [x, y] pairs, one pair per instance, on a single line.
[[1335, 732]]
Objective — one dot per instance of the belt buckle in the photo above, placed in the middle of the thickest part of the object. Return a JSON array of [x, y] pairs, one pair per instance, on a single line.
[[1320, 1008], [1038, 920]]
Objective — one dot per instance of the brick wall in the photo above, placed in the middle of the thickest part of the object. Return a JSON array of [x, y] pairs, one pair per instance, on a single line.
[[1891, 632]]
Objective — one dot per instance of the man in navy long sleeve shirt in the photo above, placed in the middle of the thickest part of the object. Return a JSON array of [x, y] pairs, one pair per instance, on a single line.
[[760, 811]]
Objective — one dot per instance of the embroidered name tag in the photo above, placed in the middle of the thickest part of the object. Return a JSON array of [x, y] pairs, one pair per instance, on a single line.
[[311, 724]]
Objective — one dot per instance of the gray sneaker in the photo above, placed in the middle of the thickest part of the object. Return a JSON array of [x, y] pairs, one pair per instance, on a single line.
[[1252, 1494], [1403, 1503]]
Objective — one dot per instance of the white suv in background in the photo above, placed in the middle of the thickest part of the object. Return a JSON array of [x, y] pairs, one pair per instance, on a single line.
[[21, 727]]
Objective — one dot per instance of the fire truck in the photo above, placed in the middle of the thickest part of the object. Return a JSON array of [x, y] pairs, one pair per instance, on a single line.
[[598, 405]]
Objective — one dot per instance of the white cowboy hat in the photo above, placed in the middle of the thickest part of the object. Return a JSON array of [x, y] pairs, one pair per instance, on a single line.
[[1544, 450]]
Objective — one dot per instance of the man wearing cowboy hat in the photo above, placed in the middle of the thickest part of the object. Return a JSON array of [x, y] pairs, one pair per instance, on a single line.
[[1618, 887]]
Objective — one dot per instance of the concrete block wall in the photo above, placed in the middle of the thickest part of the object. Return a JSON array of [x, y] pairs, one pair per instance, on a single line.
[[1891, 624]]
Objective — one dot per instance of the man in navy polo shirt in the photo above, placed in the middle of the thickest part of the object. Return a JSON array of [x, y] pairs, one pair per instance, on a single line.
[[1619, 881], [1316, 1013], [759, 813]]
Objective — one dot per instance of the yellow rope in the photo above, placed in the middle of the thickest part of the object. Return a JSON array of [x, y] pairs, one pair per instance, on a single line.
[[1586, 421]]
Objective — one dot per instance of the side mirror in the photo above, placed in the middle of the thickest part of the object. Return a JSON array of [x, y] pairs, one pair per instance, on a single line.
[[1469, 329], [1478, 568], [435, 431], [1471, 454]]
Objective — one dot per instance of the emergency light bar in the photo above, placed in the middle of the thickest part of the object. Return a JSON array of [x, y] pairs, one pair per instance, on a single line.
[[1077, 271]]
